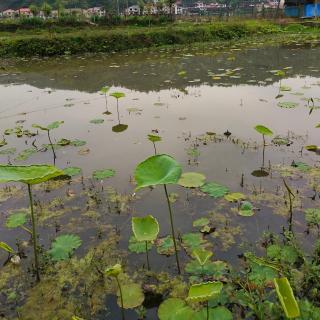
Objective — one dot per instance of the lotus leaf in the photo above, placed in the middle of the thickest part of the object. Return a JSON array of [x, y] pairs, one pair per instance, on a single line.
[[32, 174], [192, 180], [16, 219], [204, 291], [165, 246], [117, 95], [72, 171], [214, 190], [6, 247], [246, 209], [234, 197], [146, 228], [263, 130], [286, 297], [218, 313], [97, 121], [175, 309], [154, 138], [103, 174], [157, 170], [287, 104], [78, 143], [201, 222], [132, 296], [138, 246], [202, 255], [63, 246]]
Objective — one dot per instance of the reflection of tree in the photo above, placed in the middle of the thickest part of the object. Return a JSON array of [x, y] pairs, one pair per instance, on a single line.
[[154, 70]]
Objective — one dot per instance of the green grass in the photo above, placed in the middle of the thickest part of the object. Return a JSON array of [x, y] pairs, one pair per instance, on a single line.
[[59, 41]]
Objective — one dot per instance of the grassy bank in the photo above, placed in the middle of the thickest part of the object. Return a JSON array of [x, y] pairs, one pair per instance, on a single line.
[[88, 40]]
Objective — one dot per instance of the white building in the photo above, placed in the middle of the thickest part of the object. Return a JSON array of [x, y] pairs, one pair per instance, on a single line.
[[96, 11], [8, 13], [133, 10]]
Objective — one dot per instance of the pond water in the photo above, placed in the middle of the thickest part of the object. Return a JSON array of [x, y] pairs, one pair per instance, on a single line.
[[190, 97]]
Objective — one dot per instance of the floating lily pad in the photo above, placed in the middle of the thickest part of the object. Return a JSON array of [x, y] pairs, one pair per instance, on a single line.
[[132, 295], [165, 246], [8, 151], [157, 170], [246, 209], [103, 174], [78, 143], [192, 241], [301, 166], [138, 246], [217, 313], [214, 269], [285, 88], [175, 309], [63, 246], [25, 154], [287, 104], [72, 171], [201, 222], [214, 190], [63, 142], [16, 220], [192, 180], [97, 121], [281, 141], [202, 255], [234, 197]]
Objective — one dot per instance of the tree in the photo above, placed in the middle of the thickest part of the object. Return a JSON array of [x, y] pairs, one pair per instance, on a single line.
[[46, 9], [34, 9], [60, 7], [170, 4], [141, 5]]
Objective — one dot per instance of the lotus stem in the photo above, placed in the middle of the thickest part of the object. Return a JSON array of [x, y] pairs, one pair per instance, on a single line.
[[34, 234], [207, 310], [148, 264], [155, 149], [172, 229], [51, 144], [121, 298], [290, 193]]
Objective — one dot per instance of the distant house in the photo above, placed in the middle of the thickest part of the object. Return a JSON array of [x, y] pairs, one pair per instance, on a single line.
[[24, 12], [96, 11], [133, 10], [301, 8], [9, 13]]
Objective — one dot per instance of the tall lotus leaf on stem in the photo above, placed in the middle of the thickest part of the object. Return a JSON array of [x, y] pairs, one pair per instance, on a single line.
[[145, 229], [48, 128], [30, 175], [130, 294], [104, 91], [160, 170], [264, 131], [119, 127], [154, 138], [203, 292]]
